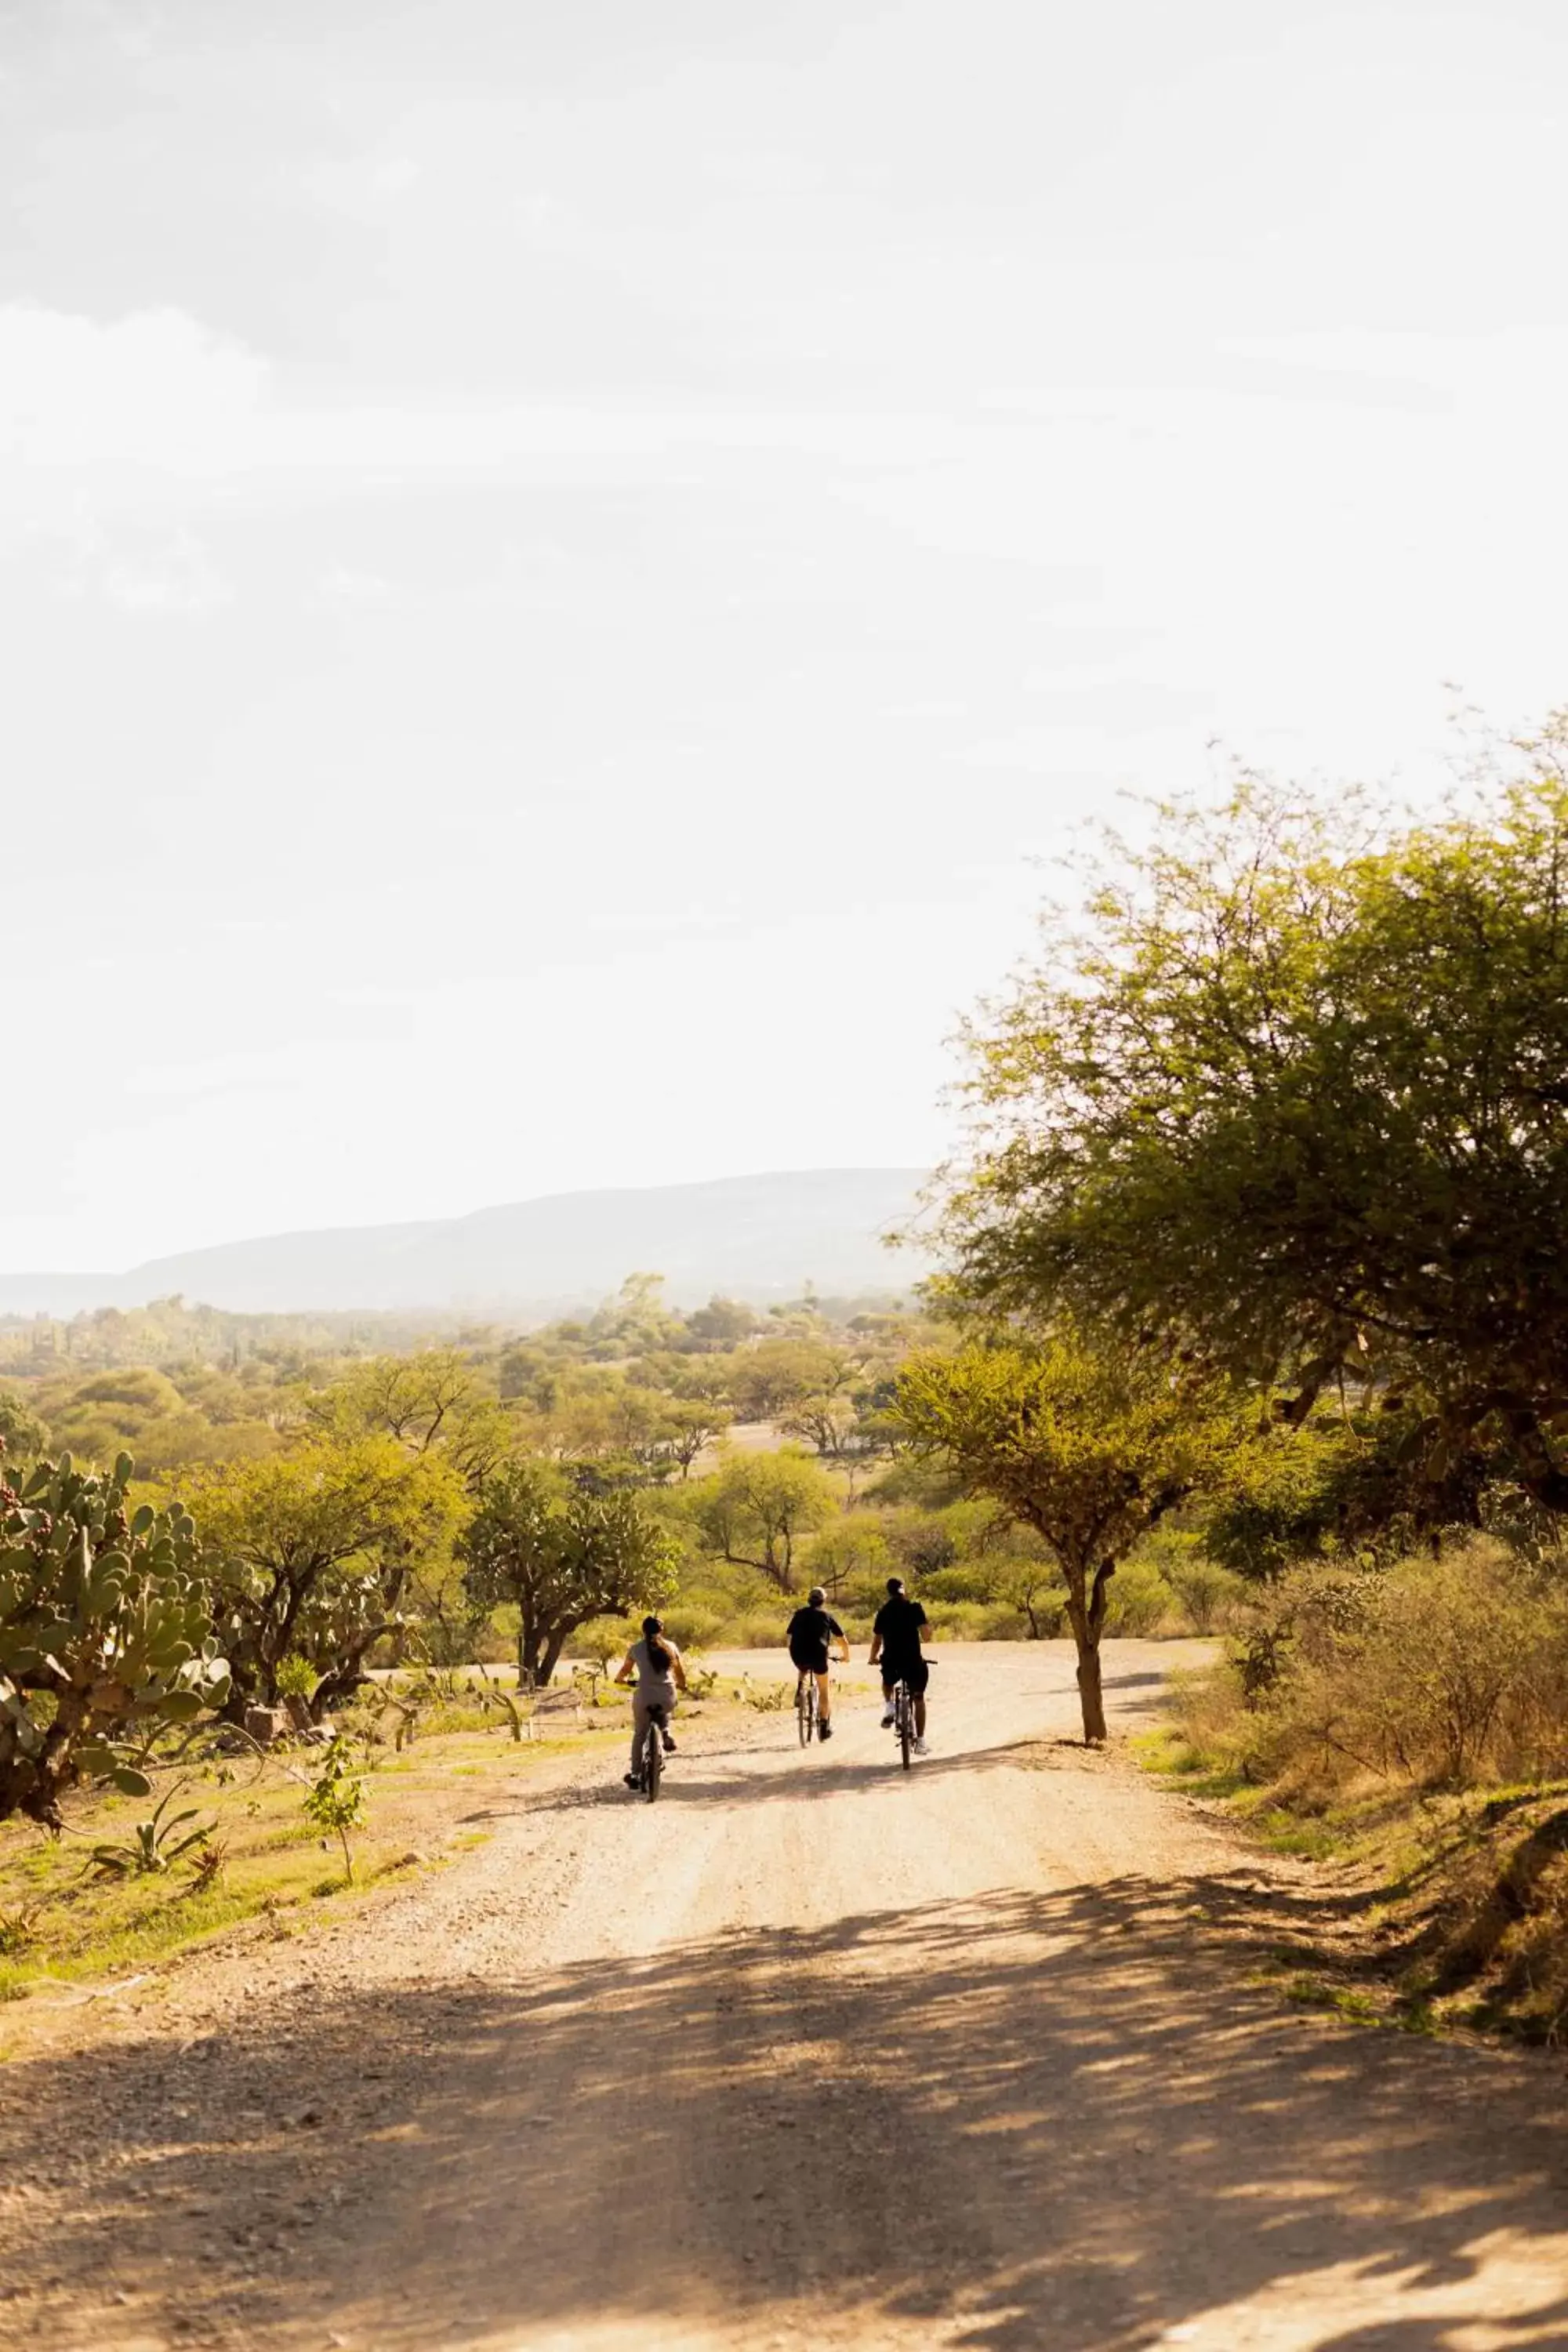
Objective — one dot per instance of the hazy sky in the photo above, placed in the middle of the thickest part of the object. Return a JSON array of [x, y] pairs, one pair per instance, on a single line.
[[558, 561]]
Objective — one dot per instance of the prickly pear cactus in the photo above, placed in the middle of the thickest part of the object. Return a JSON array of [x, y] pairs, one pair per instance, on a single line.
[[105, 1632]]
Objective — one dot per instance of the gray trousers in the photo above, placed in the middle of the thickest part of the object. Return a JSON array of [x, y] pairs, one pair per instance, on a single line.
[[644, 1709]]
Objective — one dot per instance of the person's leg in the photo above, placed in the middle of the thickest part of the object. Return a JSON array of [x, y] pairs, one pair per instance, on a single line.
[[640, 1725], [824, 1702], [664, 1732], [920, 1681], [888, 1689]]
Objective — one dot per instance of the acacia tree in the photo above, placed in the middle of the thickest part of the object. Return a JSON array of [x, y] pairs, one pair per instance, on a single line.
[[309, 1554], [433, 1404], [1301, 1107], [561, 1558], [828, 1422], [689, 1426], [431, 1401], [757, 1508], [1089, 1448]]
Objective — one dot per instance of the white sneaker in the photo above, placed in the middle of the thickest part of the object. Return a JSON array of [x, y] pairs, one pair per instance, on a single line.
[[887, 1716], [919, 1749]]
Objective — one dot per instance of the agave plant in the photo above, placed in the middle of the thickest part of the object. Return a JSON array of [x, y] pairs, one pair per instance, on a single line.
[[154, 1844]]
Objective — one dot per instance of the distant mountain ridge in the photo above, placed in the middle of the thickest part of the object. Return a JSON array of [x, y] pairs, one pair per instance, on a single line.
[[759, 1237]]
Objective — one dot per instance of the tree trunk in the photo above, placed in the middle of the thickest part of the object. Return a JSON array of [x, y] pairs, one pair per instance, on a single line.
[[1085, 1611], [527, 1639], [1090, 1693], [554, 1642]]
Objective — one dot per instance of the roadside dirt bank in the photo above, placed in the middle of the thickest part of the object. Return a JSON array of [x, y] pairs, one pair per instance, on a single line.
[[811, 2053]]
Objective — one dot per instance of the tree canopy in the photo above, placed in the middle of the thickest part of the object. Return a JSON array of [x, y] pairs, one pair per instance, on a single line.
[[1293, 1101], [1087, 1446], [308, 1553], [758, 1506], [561, 1557]]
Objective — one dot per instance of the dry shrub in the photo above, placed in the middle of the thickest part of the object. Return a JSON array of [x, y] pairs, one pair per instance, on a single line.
[[1435, 1673]]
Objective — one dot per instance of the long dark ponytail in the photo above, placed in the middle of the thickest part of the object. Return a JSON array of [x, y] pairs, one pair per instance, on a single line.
[[658, 1655]]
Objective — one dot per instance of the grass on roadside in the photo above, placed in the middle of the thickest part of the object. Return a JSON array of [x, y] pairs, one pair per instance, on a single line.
[[63, 1920], [1412, 1731]]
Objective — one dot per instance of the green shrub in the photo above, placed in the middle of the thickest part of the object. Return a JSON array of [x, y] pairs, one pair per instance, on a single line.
[[972, 1580], [1212, 1598], [297, 1677], [1141, 1602], [695, 1624]]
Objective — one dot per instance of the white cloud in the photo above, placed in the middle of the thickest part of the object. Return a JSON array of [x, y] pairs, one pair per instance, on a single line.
[[360, 187], [151, 570], [179, 577], [156, 388], [345, 590], [159, 390]]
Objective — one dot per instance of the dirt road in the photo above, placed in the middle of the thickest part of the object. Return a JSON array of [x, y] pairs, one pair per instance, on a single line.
[[812, 2053]]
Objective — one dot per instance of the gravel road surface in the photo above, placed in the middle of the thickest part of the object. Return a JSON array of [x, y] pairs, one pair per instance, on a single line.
[[812, 2053]]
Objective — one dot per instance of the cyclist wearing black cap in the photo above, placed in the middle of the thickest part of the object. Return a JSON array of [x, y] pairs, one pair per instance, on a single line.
[[811, 1629], [896, 1641]]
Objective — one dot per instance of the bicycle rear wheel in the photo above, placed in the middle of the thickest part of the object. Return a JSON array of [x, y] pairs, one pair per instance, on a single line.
[[653, 1762], [805, 1710], [906, 1728]]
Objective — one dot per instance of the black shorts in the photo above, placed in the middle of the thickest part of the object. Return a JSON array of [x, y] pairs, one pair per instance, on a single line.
[[916, 1671], [816, 1664]]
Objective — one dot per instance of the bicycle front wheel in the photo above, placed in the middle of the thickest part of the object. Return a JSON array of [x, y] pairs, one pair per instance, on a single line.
[[653, 1768]]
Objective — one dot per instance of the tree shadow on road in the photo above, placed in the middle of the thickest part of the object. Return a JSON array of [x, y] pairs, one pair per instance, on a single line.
[[1032, 2121]]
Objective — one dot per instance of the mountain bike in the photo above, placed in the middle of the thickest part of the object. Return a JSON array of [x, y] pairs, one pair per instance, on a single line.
[[653, 1755], [904, 1718], [807, 1705]]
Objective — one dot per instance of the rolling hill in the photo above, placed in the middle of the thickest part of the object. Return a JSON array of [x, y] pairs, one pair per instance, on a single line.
[[759, 1237]]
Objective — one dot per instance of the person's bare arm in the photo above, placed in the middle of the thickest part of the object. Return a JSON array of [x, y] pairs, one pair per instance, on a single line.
[[842, 1651], [876, 1649], [677, 1665], [628, 1669]]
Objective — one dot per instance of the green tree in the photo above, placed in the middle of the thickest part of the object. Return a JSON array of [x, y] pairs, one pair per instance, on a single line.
[[689, 1426], [310, 1552], [105, 1632], [754, 1512], [22, 1433], [722, 1323], [1294, 1098], [851, 1559], [559, 1557], [769, 1379], [1087, 1447], [827, 1423], [431, 1401]]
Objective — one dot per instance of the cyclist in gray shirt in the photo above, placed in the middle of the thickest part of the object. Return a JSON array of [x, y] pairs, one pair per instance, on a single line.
[[659, 1672]]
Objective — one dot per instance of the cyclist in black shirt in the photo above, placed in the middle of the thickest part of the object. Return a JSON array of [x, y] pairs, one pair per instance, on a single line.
[[896, 1641], [811, 1629]]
